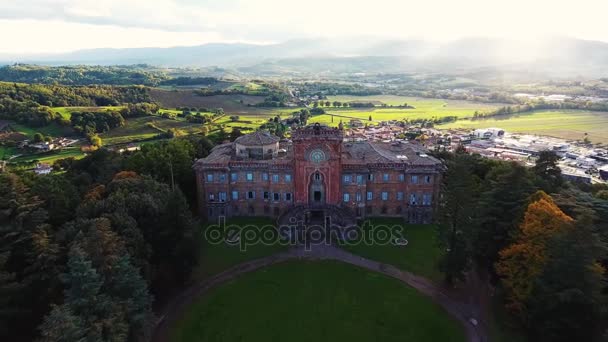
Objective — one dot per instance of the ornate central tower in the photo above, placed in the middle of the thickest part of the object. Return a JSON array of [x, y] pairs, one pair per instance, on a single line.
[[317, 165]]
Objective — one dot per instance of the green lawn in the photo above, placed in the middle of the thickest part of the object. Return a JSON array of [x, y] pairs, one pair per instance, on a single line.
[[53, 130], [66, 112], [566, 124], [420, 256], [6, 152], [315, 301], [215, 258]]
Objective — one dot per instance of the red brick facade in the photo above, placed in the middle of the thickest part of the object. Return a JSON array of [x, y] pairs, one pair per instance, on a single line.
[[317, 168]]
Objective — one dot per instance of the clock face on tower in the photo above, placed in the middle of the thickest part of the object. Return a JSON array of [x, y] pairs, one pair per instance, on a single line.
[[317, 156]]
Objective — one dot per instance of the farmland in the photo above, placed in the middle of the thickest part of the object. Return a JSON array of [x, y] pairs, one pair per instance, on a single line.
[[565, 124], [188, 98], [66, 112], [422, 109]]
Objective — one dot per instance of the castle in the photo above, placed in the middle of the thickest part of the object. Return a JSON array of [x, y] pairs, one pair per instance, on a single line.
[[261, 175]]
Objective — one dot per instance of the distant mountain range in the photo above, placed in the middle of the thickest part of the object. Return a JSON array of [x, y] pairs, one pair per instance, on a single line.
[[557, 56]]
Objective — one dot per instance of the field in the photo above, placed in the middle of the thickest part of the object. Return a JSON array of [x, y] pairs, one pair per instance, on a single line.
[[315, 301], [146, 128], [66, 112], [423, 109], [230, 103], [566, 124], [53, 130], [420, 256]]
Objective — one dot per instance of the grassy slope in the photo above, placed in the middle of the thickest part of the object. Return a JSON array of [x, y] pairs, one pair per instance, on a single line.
[[53, 130], [66, 112], [215, 258], [315, 301], [420, 256]]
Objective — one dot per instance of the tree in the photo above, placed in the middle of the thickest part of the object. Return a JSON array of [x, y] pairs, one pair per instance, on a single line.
[[38, 137], [457, 206], [234, 118], [9, 289], [602, 194], [548, 173], [127, 286], [235, 134], [60, 197], [95, 140], [521, 263], [503, 196], [370, 118], [62, 325], [566, 303], [327, 103]]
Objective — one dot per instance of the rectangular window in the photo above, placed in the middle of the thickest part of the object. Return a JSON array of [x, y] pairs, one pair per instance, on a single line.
[[234, 177], [359, 179], [250, 194], [288, 196], [210, 177], [222, 196], [235, 195], [346, 197], [384, 196], [265, 176], [401, 177], [427, 179], [287, 178], [275, 178], [266, 195], [414, 179], [211, 197], [370, 195], [386, 177], [426, 199], [276, 196], [370, 177], [222, 177], [413, 199], [358, 197], [346, 178], [400, 196], [250, 176]]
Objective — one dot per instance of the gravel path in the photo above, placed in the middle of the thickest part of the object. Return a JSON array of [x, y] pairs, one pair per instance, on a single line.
[[458, 310]]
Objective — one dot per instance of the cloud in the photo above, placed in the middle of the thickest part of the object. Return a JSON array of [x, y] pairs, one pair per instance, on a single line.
[[277, 20], [168, 15]]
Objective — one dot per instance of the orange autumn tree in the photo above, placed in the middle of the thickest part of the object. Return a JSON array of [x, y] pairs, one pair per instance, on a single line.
[[523, 261]]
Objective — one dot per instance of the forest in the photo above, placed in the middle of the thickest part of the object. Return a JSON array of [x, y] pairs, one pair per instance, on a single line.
[[85, 254], [539, 240], [80, 75]]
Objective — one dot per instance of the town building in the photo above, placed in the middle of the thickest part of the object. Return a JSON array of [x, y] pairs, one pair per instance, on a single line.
[[316, 171]]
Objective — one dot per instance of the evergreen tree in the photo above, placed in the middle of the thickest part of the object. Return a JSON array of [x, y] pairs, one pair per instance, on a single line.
[[549, 175], [567, 303], [61, 325], [505, 192], [457, 206]]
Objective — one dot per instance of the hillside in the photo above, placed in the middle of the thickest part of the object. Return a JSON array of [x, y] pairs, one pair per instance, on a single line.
[[554, 57]]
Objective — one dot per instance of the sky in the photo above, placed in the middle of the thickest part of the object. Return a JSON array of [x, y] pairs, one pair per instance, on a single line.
[[56, 26]]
